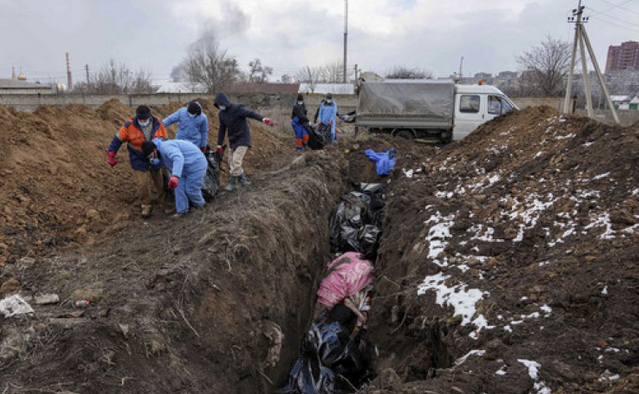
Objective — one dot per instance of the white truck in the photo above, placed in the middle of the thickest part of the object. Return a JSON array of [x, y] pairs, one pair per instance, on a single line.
[[427, 109]]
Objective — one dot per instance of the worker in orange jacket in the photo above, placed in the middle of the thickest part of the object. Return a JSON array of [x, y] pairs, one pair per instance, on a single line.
[[137, 129]]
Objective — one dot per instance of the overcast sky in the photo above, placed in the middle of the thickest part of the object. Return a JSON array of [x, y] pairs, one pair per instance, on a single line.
[[287, 35]]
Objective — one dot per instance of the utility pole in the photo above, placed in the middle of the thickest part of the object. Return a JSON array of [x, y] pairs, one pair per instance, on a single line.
[[460, 68], [345, 36], [356, 73], [581, 39], [86, 67]]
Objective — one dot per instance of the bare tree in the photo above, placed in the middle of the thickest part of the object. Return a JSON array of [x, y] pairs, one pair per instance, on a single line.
[[309, 76], [401, 72], [118, 78], [210, 67], [257, 72], [332, 72], [545, 67]]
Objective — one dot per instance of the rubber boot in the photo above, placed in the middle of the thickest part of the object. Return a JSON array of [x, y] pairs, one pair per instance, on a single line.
[[233, 183], [243, 180]]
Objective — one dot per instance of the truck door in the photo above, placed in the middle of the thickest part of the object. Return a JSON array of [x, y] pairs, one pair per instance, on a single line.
[[468, 114], [497, 105]]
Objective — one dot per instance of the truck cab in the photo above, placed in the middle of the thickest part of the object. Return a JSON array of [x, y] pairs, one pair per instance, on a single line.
[[434, 110], [477, 104]]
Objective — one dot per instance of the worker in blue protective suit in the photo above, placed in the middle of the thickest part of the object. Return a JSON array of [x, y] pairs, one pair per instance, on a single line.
[[327, 113], [193, 125], [188, 167], [299, 119]]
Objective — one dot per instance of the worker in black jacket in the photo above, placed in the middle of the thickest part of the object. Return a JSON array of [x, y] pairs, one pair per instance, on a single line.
[[299, 121], [233, 119]]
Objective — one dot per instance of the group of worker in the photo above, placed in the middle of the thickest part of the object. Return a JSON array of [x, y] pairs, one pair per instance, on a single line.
[[150, 150], [325, 115]]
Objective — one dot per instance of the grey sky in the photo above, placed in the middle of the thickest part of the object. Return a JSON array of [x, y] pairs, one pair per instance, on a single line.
[[288, 34]]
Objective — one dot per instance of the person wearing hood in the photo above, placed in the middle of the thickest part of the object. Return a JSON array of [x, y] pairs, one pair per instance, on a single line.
[[326, 114], [233, 120], [188, 167], [299, 120], [137, 129], [193, 125]]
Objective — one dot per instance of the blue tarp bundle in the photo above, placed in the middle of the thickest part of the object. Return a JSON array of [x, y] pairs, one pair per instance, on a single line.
[[385, 161]]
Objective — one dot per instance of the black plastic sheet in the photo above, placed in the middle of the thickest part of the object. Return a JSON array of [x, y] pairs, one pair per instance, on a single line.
[[211, 183], [318, 136], [355, 224], [331, 361]]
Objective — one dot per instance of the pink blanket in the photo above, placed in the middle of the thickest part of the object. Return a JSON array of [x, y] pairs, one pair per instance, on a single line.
[[347, 275]]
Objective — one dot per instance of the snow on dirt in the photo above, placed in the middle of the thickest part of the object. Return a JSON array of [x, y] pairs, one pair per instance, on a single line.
[[508, 262]]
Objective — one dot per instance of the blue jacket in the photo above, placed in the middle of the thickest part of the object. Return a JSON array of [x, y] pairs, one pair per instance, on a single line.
[[191, 129], [233, 119], [182, 157], [327, 114]]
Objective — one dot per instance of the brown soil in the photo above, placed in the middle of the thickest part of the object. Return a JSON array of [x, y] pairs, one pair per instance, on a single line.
[[540, 211]]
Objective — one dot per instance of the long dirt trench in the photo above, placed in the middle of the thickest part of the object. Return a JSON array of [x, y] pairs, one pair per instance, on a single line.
[[186, 306]]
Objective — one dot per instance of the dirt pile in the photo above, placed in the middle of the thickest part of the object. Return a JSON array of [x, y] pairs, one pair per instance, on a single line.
[[56, 186], [509, 262]]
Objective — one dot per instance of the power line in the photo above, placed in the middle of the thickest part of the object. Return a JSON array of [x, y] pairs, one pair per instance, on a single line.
[[616, 6], [615, 19], [616, 25]]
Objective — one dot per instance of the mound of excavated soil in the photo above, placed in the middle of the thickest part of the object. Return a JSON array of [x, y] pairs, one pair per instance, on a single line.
[[508, 261], [57, 188]]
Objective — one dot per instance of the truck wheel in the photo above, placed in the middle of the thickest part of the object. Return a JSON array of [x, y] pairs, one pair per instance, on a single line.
[[446, 137], [405, 134]]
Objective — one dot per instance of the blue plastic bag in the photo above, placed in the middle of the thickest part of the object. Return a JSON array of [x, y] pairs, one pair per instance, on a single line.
[[384, 161]]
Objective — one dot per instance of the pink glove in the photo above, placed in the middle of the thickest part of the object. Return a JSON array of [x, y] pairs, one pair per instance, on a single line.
[[269, 122], [173, 182], [111, 159], [203, 149], [219, 149]]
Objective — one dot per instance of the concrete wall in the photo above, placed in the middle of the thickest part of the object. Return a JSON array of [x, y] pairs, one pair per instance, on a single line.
[[527, 102], [29, 102]]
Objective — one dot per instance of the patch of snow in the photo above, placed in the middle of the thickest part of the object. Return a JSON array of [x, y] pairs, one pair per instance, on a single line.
[[587, 144], [408, 173], [605, 291], [603, 220], [461, 298], [438, 234], [533, 368], [601, 176], [463, 359], [564, 137]]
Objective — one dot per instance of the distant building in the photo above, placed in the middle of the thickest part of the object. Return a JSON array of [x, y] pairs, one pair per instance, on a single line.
[[16, 86], [483, 76], [288, 78], [323, 88], [623, 57], [504, 75]]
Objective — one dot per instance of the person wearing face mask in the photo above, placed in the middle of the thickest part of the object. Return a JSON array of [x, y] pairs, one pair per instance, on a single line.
[[188, 167], [233, 119], [299, 120], [193, 125], [137, 129], [326, 114]]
